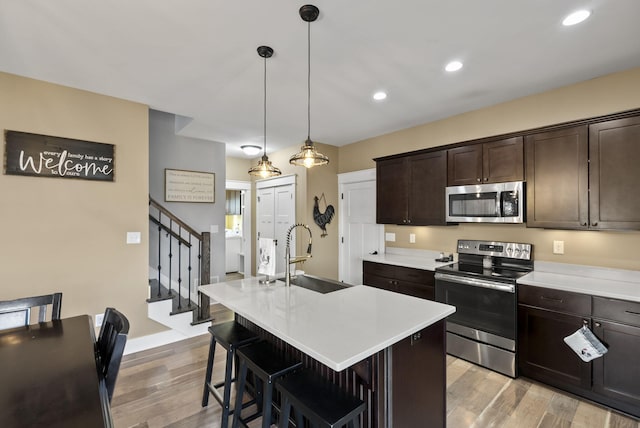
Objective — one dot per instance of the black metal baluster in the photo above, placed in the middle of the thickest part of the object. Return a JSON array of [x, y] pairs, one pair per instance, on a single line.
[[189, 270], [170, 255], [179, 268], [159, 250]]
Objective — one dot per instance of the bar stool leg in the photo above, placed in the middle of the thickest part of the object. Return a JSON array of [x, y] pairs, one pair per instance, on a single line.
[[242, 376], [227, 390], [285, 412], [266, 405], [207, 379]]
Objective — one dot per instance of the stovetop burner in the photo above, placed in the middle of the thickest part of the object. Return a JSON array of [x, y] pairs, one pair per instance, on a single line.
[[480, 271]]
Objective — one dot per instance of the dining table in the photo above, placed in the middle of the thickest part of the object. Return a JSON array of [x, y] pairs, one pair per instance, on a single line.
[[49, 376]]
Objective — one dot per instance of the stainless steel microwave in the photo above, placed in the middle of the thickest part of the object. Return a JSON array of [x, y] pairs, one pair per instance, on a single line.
[[486, 203]]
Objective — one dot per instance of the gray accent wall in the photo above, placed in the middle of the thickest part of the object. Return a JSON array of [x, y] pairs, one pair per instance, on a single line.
[[168, 150]]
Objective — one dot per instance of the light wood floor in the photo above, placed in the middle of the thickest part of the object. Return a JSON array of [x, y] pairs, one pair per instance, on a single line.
[[162, 387]]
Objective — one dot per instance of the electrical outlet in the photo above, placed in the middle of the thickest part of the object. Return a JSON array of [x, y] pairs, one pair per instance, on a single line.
[[390, 237], [99, 318], [558, 247], [412, 238]]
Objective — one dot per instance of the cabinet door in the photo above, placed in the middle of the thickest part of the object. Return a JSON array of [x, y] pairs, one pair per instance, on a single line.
[[617, 373], [557, 179], [464, 165], [614, 150], [379, 275], [503, 161], [542, 353], [391, 191], [427, 182]]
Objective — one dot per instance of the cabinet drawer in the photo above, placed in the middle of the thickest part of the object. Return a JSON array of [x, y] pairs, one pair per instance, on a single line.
[[419, 276], [379, 282], [556, 300], [617, 310], [378, 269]]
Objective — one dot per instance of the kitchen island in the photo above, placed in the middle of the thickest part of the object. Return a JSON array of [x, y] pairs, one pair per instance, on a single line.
[[385, 347]]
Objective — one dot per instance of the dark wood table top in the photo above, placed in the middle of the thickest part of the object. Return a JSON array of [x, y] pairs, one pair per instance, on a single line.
[[48, 376]]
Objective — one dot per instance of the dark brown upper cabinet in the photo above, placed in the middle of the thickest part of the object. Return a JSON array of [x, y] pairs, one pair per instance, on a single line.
[[411, 189], [557, 179], [492, 162], [585, 177], [614, 175]]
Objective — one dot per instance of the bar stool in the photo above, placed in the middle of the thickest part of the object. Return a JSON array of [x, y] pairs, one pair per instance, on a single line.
[[230, 336], [321, 402], [267, 365]]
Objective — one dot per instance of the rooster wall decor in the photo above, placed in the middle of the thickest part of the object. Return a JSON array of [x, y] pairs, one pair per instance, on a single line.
[[322, 219]]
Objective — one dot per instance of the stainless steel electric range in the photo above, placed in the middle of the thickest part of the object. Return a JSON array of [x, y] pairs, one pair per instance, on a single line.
[[482, 287]]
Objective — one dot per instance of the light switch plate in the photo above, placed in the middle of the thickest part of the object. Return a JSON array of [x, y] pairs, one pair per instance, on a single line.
[[412, 238], [133, 238]]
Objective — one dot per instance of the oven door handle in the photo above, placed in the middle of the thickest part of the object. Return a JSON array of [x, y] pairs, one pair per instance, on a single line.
[[476, 282]]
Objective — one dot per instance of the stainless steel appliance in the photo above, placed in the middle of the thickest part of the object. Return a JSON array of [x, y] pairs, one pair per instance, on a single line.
[[486, 203], [482, 287]]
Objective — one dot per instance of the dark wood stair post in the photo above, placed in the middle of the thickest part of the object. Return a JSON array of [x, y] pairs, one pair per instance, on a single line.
[[205, 276]]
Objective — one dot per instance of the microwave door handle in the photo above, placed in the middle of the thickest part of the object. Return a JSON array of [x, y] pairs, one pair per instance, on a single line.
[[500, 205]]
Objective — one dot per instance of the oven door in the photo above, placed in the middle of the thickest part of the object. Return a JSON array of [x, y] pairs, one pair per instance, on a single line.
[[485, 309]]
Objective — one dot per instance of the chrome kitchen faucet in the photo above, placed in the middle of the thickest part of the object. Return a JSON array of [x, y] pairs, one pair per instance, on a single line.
[[295, 259]]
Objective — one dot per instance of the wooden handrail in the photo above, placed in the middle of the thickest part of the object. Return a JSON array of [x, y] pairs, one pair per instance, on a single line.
[[181, 223], [169, 231]]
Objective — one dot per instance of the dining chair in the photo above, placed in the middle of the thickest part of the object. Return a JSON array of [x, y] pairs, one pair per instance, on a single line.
[[110, 346], [17, 313]]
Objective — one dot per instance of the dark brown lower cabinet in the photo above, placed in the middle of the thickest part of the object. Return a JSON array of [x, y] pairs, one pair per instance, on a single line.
[[418, 383], [413, 282], [546, 317]]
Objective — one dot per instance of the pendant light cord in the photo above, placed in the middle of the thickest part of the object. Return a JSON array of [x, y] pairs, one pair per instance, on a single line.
[[264, 149], [309, 81]]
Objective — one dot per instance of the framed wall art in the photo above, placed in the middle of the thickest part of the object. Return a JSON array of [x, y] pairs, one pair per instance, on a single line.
[[189, 186]]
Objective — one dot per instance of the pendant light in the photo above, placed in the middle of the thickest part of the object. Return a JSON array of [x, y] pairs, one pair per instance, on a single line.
[[308, 156], [264, 169]]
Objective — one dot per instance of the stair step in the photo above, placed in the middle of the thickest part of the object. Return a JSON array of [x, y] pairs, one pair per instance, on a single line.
[[162, 294]]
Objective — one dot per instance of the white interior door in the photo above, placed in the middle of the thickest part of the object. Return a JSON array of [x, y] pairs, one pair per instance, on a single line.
[[275, 213], [359, 233]]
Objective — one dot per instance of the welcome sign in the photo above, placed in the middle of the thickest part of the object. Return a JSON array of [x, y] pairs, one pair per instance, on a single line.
[[46, 156]]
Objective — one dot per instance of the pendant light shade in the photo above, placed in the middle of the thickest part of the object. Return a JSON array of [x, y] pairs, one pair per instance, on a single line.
[[265, 168], [308, 156]]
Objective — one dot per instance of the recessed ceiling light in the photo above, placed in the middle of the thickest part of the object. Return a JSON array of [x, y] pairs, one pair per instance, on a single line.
[[250, 149], [453, 66], [380, 95], [576, 17]]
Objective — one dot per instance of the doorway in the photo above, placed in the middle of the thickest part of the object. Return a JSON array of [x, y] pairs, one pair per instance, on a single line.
[[238, 260], [359, 233]]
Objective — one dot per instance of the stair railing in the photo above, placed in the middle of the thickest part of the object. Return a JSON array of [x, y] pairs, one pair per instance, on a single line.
[[174, 231]]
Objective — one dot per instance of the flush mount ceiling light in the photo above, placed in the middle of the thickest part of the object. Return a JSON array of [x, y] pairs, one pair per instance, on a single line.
[[264, 169], [453, 66], [380, 95], [308, 156], [576, 17], [250, 149]]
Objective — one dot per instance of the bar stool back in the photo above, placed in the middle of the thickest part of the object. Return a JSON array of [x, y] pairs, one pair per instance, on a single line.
[[267, 365], [322, 403], [231, 336]]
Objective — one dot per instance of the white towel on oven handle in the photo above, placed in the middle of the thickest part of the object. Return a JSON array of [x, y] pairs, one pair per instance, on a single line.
[[585, 344]]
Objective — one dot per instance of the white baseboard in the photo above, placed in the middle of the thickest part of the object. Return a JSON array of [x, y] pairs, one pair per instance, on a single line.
[[152, 341]]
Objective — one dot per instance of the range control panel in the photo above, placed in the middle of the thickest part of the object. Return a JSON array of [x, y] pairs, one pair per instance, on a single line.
[[513, 250]]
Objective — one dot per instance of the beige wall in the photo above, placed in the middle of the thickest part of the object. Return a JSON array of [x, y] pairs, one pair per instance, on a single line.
[[237, 168], [605, 95], [69, 235]]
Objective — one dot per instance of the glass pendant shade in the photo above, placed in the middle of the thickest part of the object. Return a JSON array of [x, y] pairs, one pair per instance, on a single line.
[[265, 168], [308, 156]]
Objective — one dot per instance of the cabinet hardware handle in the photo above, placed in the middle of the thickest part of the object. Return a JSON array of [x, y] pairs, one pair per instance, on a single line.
[[595, 223], [632, 313], [584, 224], [598, 324], [553, 299], [585, 323], [486, 179], [415, 337], [478, 180]]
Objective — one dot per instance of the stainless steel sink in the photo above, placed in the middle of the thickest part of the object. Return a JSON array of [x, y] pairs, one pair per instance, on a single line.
[[321, 285]]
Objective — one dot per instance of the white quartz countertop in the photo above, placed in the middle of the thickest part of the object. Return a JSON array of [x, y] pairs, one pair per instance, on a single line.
[[418, 259], [603, 282], [339, 328]]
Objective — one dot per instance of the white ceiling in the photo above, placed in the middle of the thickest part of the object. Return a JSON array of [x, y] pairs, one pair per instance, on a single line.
[[197, 58]]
